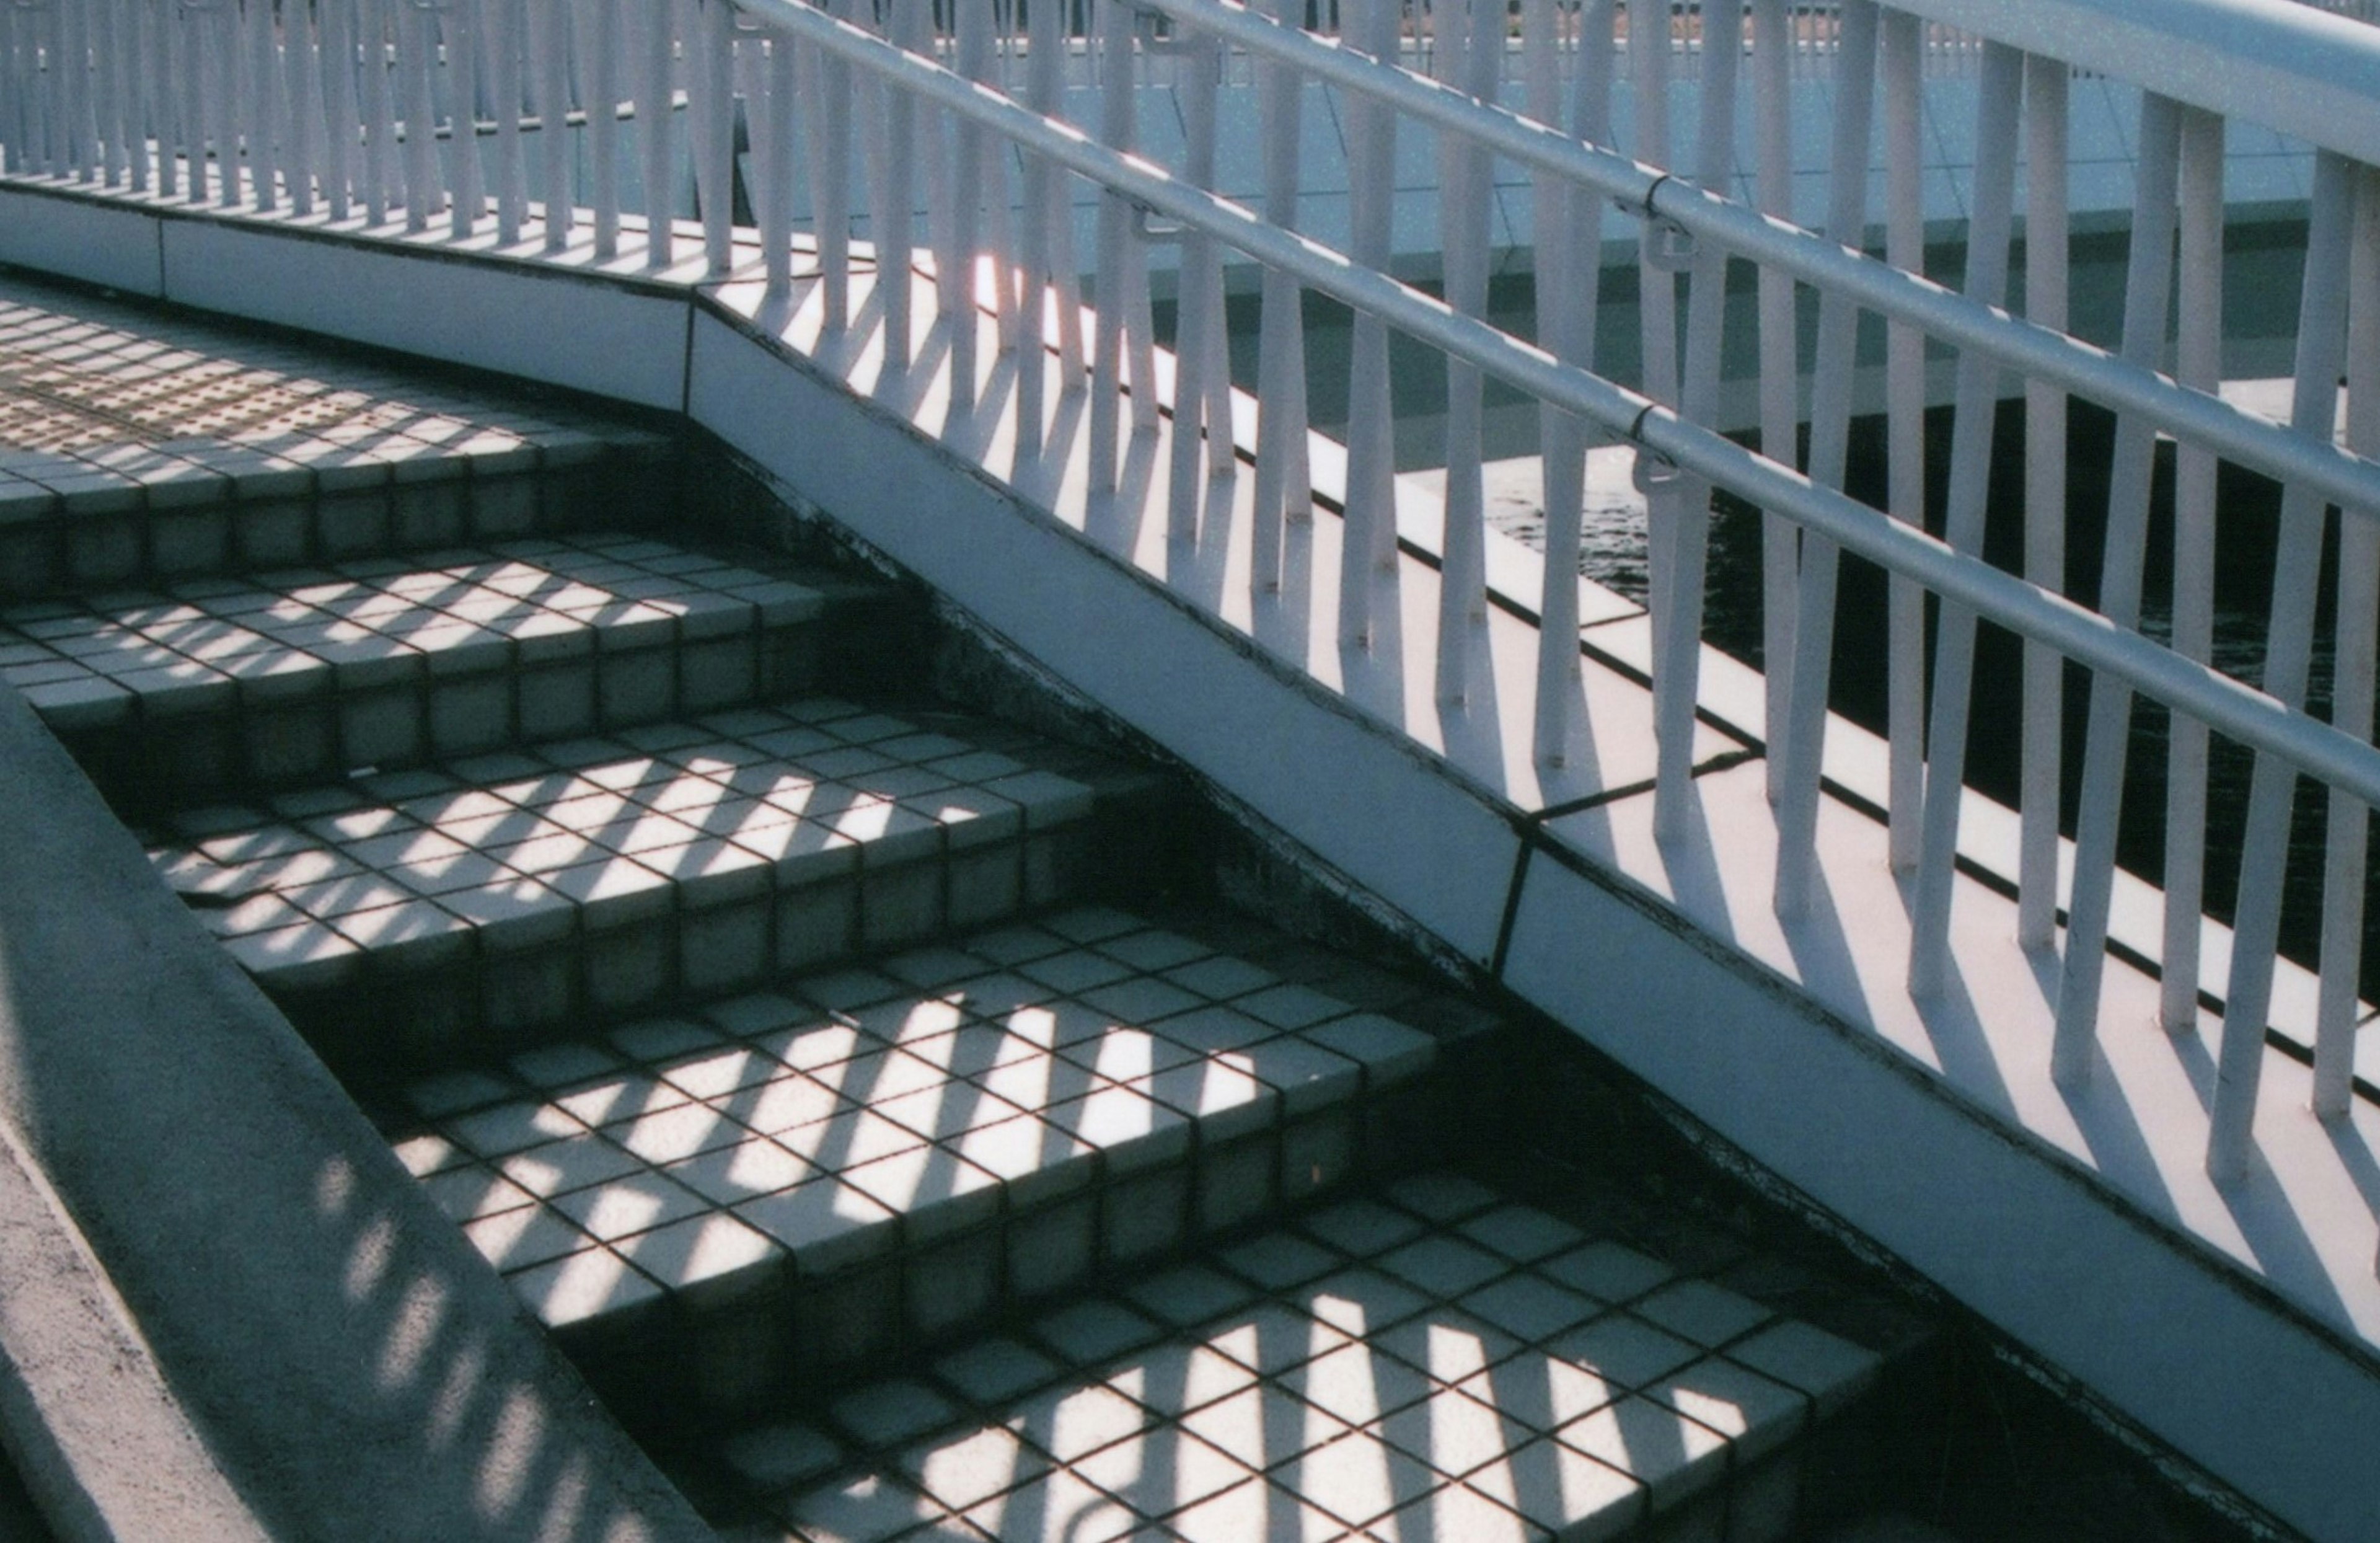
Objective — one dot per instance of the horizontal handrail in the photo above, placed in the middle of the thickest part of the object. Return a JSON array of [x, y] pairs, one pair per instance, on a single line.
[[2304, 71], [2224, 704], [2347, 479]]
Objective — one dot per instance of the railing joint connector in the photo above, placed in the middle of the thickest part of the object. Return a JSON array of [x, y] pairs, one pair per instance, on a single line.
[[1147, 228], [1668, 246], [1654, 469]]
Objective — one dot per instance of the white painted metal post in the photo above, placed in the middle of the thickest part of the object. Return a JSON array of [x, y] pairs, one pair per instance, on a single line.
[[1569, 292], [713, 74], [339, 115], [1370, 554], [1471, 45], [417, 56], [463, 30], [262, 118], [1803, 740], [1971, 450], [656, 57], [107, 64], [1780, 352], [1904, 247], [2351, 680], [963, 254], [549, 45], [2198, 363], [2288, 645], [1284, 483], [383, 167], [1031, 319], [2148, 292], [2046, 256], [1199, 62], [507, 23], [608, 68], [1649, 42], [1116, 251], [1677, 682], [773, 157], [905, 22]]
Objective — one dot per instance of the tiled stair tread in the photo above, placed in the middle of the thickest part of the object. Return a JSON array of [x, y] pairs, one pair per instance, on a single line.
[[1435, 1363], [516, 848], [862, 1111], [392, 621]]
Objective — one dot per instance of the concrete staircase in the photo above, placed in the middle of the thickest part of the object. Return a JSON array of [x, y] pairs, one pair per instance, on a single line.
[[840, 1079]]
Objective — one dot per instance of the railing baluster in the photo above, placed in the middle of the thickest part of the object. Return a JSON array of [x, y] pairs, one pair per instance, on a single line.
[[1649, 24], [1197, 61], [13, 159], [607, 69], [72, 64], [107, 59], [1781, 357], [1903, 59], [1046, 84], [2045, 244], [155, 111], [549, 43], [972, 41], [771, 114], [2351, 680], [2288, 643], [263, 115], [333, 96], [1284, 483], [233, 117], [1569, 292], [1041, 214], [655, 112], [133, 74], [195, 34], [1119, 253], [300, 94], [383, 166], [2149, 290], [1804, 739], [1971, 451], [893, 228], [2198, 363], [713, 73], [468, 181], [1675, 686], [1472, 57], [1369, 553], [418, 57], [507, 22]]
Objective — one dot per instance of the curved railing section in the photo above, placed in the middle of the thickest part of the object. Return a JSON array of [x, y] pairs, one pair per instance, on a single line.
[[888, 109]]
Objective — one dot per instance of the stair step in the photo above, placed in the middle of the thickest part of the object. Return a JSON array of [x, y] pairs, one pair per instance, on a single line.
[[295, 677], [145, 449], [1433, 1361], [409, 918], [782, 1187]]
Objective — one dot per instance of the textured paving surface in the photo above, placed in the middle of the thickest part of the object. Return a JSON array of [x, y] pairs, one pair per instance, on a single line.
[[1002, 1116], [1437, 1363], [81, 376]]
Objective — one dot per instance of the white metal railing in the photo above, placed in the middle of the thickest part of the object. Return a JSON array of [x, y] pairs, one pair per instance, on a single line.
[[290, 106]]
